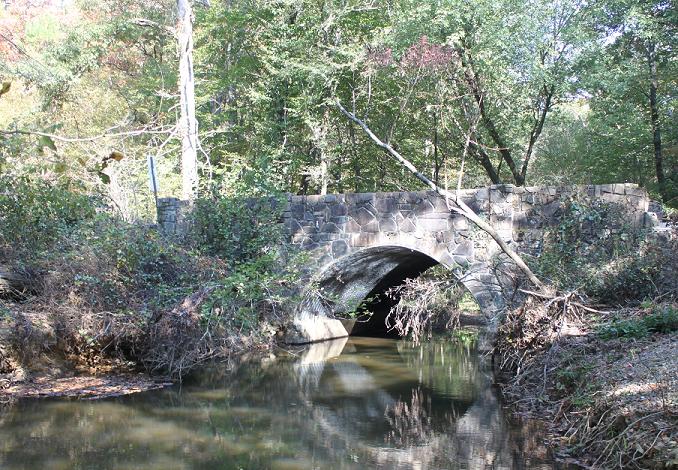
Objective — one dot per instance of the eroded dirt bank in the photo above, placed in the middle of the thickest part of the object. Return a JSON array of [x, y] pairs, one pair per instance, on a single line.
[[605, 384]]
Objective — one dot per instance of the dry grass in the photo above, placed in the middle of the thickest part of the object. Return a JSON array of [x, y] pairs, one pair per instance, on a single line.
[[610, 404]]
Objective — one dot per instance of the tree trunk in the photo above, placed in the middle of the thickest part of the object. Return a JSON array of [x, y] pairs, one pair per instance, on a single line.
[[14, 284], [459, 208], [654, 115], [188, 125]]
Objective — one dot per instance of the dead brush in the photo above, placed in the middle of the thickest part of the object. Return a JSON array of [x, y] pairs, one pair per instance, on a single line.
[[423, 302], [550, 376], [535, 326]]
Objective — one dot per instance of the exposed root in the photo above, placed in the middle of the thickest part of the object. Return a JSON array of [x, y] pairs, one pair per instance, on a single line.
[[535, 326]]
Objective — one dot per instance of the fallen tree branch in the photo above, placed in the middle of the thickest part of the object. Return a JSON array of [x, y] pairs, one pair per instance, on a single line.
[[461, 208]]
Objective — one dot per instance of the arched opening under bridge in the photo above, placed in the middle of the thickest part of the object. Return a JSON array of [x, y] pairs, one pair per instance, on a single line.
[[359, 282]]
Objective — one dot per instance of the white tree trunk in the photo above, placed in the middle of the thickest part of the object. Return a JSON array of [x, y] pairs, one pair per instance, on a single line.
[[188, 125]]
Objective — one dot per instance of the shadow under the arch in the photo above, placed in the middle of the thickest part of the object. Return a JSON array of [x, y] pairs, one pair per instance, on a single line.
[[377, 304], [358, 285]]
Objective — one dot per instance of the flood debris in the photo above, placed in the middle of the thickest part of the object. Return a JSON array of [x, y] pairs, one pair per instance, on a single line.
[[605, 382]]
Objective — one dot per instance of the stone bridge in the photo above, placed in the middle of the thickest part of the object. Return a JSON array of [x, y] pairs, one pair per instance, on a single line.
[[360, 244]]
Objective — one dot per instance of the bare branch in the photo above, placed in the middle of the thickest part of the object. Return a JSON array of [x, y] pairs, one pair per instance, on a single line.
[[153, 24], [460, 206], [61, 138]]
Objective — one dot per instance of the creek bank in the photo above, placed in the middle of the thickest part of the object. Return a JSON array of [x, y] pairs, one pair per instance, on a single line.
[[42, 357], [604, 385]]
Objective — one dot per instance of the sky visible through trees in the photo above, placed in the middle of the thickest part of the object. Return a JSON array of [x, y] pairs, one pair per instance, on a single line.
[[539, 92]]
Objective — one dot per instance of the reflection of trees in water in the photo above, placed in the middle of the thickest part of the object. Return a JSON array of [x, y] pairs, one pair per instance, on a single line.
[[448, 367], [390, 406], [411, 421]]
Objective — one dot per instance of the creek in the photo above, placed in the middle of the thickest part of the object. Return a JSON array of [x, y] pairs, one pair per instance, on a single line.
[[353, 403]]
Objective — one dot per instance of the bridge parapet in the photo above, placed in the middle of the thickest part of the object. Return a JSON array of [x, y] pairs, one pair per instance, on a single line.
[[333, 225]]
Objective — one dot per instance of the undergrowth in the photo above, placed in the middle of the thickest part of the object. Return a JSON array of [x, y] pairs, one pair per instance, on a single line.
[[567, 352], [596, 251], [117, 291], [664, 319]]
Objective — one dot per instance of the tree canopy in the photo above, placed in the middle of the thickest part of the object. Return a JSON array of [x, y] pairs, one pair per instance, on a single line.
[[538, 92]]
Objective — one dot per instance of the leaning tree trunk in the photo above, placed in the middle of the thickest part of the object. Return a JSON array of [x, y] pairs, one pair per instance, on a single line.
[[459, 206], [188, 125]]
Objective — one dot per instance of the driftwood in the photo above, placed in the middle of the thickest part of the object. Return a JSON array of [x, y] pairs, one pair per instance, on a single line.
[[17, 283]]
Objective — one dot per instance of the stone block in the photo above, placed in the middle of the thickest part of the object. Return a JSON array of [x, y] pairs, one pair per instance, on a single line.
[[438, 202], [293, 226], [362, 216], [461, 261], [413, 198], [314, 328], [372, 227], [618, 188], [388, 225], [406, 226], [464, 248], [339, 220], [329, 228], [327, 237], [338, 210], [297, 210], [363, 239], [482, 194], [339, 248], [309, 244], [357, 198], [309, 229], [432, 225], [352, 226], [609, 197], [386, 205], [424, 207], [313, 199]]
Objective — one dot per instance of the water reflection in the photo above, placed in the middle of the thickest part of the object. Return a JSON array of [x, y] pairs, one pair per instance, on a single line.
[[349, 404]]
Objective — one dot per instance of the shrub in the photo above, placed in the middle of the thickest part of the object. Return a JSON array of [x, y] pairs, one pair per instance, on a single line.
[[593, 252], [35, 214], [661, 320], [236, 229]]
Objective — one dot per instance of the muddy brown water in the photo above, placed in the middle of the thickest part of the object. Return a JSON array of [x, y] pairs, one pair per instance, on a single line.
[[356, 403]]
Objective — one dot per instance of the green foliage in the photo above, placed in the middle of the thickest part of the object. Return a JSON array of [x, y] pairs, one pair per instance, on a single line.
[[35, 214], [260, 289], [465, 336], [661, 320], [237, 229], [592, 249]]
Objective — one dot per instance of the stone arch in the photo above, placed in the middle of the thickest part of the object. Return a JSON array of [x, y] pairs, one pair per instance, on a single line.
[[342, 284]]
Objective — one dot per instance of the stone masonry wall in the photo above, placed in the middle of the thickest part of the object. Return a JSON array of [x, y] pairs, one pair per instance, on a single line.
[[335, 225], [339, 227], [171, 213]]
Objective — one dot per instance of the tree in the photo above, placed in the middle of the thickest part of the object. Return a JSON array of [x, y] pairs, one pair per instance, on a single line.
[[643, 32], [454, 202], [188, 124]]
